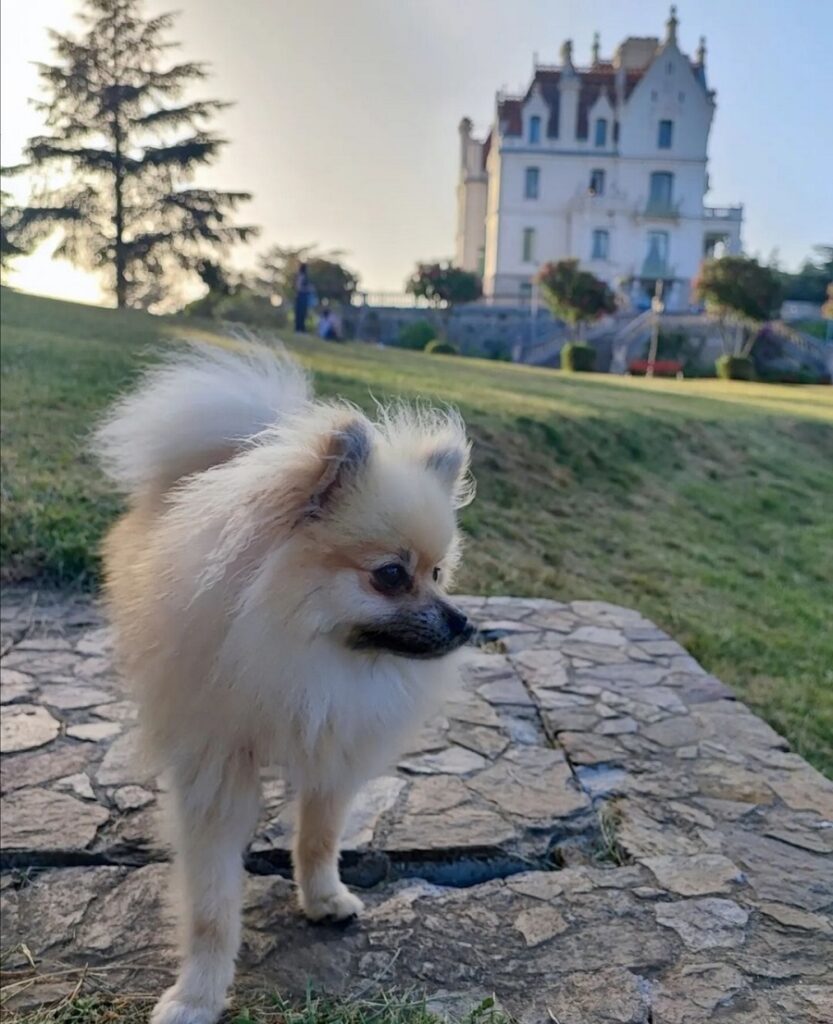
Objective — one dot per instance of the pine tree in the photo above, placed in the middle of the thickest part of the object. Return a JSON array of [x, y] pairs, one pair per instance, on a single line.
[[121, 144]]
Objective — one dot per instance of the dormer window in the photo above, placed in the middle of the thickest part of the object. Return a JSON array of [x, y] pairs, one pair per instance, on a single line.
[[666, 132], [597, 183], [535, 130], [601, 132]]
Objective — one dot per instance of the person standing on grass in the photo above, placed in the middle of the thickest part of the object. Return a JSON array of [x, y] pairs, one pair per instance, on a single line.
[[302, 298]]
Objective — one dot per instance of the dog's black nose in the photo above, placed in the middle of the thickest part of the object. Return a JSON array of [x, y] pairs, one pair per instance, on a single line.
[[458, 624]]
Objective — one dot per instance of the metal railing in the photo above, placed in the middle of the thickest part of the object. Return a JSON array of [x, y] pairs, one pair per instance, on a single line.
[[723, 212], [404, 300], [662, 209]]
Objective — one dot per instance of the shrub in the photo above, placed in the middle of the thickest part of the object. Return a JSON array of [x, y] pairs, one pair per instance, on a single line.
[[438, 347], [793, 376], [577, 357], [416, 335], [241, 306], [498, 351], [735, 368]]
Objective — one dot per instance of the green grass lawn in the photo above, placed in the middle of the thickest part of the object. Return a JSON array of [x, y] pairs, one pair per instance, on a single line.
[[384, 1008], [707, 505]]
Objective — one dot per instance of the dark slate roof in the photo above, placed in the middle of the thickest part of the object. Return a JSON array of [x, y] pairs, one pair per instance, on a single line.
[[594, 80]]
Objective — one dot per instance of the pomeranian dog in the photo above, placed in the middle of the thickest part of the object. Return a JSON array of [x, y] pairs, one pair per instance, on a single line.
[[277, 588]]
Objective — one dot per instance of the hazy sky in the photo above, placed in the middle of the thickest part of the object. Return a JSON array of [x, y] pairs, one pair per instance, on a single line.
[[345, 124]]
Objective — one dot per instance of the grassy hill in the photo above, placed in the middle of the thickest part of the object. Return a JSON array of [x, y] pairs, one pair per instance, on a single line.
[[708, 505]]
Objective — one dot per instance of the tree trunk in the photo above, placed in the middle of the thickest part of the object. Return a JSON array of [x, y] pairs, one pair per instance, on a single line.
[[118, 220]]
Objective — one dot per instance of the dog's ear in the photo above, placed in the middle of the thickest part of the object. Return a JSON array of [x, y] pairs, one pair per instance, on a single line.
[[448, 459], [346, 452], [448, 464]]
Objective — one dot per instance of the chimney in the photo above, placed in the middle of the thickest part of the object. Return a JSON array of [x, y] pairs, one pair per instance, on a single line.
[[569, 86], [464, 129]]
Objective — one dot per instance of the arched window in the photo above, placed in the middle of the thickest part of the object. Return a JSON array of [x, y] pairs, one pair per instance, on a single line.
[[535, 130], [601, 131]]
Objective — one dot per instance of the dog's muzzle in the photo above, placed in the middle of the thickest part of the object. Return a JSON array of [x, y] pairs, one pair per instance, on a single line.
[[428, 632]]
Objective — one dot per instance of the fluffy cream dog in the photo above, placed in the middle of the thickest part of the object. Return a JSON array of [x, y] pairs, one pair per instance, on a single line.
[[277, 590]]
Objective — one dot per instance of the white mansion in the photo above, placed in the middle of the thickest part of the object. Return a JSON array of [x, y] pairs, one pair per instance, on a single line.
[[606, 164]]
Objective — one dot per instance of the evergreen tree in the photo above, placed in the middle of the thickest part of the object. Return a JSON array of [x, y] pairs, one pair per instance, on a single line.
[[121, 144]]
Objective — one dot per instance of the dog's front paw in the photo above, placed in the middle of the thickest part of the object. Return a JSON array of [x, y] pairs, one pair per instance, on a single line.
[[338, 905], [176, 1007]]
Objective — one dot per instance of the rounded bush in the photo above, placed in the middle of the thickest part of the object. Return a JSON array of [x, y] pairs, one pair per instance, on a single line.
[[735, 368], [577, 357], [416, 335], [438, 347]]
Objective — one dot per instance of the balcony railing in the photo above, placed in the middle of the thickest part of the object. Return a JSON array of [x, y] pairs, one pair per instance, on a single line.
[[723, 212], [655, 268], [662, 209]]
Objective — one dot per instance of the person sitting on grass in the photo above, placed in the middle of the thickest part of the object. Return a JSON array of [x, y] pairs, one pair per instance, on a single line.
[[327, 325]]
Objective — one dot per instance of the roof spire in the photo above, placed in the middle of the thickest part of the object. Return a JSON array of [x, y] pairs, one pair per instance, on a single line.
[[567, 55], [671, 25], [596, 47], [701, 51]]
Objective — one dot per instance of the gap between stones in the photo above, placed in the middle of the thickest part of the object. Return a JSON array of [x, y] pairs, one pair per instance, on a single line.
[[364, 870], [452, 867]]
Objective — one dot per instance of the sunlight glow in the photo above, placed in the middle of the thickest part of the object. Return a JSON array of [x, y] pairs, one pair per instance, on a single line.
[[40, 274]]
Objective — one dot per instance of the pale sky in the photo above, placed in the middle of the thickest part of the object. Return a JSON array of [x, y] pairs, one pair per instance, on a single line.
[[345, 124]]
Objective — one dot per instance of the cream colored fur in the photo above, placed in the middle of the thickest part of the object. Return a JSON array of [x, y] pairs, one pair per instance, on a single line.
[[255, 518]]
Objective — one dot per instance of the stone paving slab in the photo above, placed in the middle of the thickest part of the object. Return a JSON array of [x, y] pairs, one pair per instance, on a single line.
[[593, 828]]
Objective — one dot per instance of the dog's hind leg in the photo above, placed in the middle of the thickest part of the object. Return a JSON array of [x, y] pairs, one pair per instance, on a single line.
[[215, 807], [322, 894]]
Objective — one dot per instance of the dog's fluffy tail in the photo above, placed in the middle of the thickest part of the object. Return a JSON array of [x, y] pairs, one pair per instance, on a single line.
[[195, 410]]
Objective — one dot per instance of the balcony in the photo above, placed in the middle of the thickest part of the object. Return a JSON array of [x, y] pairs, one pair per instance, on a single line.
[[662, 209], [724, 213], [656, 266]]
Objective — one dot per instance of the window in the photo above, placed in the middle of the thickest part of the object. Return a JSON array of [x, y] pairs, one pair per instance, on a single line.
[[601, 244], [601, 132], [666, 132], [529, 245], [531, 181], [535, 130], [597, 183], [662, 190], [526, 291], [654, 95], [656, 261]]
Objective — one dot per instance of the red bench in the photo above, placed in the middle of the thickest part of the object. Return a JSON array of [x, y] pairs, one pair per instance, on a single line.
[[662, 368]]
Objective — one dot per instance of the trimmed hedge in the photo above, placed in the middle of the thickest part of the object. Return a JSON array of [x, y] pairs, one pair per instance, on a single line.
[[795, 377], [577, 357], [416, 335], [438, 347], [735, 368]]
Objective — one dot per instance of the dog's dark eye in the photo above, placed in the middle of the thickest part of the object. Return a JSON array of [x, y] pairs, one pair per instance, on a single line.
[[436, 573], [392, 578]]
